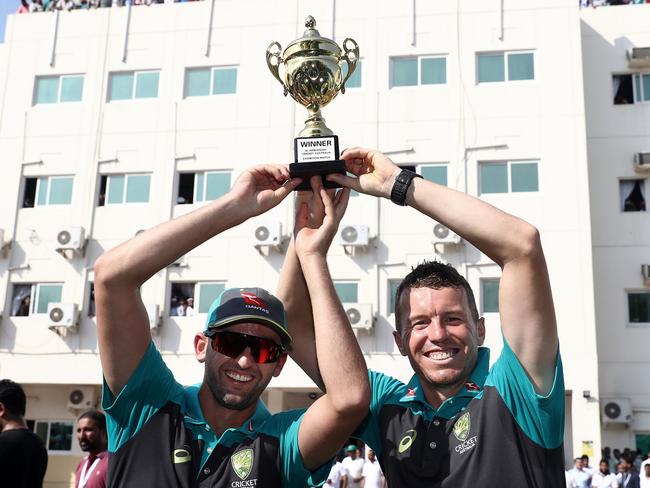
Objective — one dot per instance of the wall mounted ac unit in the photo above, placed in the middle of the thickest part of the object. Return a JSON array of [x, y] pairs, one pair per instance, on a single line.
[[443, 235], [645, 272], [638, 57], [62, 317], [359, 315], [642, 162], [268, 234], [616, 410], [155, 318], [355, 235], [81, 398], [70, 239]]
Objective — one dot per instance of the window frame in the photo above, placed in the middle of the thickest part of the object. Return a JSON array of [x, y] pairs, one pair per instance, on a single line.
[[347, 282], [61, 452], [59, 88], [390, 310], [419, 58], [421, 166], [134, 86], [212, 69], [628, 322], [124, 189], [48, 194], [202, 177], [506, 64], [637, 87], [34, 295], [509, 164], [644, 190]]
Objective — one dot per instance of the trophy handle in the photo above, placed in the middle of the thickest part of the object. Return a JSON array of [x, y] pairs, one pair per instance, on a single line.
[[274, 60], [350, 56]]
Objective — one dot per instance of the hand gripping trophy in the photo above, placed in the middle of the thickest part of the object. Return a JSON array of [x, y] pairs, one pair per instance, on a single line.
[[312, 75]]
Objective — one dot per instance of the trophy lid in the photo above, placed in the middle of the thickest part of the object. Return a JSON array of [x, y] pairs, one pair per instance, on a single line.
[[311, 41]]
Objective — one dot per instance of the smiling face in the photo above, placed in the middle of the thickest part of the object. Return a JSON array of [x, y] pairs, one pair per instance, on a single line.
[[237, 383], [439, 337]]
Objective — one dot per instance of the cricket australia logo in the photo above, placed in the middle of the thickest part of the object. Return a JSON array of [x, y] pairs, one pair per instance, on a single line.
[[462, 426], [242, 462]]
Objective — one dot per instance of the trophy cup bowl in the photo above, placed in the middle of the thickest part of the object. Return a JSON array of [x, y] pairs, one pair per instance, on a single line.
[[313, 75]]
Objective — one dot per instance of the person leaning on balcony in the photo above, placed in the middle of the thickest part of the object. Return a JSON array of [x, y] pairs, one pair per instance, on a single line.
[[458, 421], [218, 433]]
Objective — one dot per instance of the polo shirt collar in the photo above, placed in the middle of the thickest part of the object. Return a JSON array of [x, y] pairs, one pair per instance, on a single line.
[[473, 386]]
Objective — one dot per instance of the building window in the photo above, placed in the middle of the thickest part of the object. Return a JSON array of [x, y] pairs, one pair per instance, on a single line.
[[632, 195], [117, 189], [200, 82], [56, 435], [508, 177], [208, 293], [504, 66], [58, 89], [392, 291], [490, 296], [189, 298], [202, 186], [91, 301], [348, 292], [355, 79], [128, 85], [418, 70], [638, 306], [642, 87], [33, 298], [623, 89], [436, 173], [47, 190]]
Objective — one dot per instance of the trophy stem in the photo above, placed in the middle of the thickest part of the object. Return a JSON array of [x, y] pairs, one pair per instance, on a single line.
[[315, 125]]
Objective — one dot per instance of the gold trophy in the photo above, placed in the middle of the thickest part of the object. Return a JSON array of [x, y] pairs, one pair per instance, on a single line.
[[312, 75]]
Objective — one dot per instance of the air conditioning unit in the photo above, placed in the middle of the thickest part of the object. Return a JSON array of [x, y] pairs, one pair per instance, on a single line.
[[82, 398], [638, 57], [355, 235], [155, 319], [442, 235], [645, 272], [62, 317], [70, 239], [642, 162], [268, 234], [359, 315], [616, 410]]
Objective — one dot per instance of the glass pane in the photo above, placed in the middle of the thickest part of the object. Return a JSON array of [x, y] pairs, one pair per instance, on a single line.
[[490, 296], [217, 184], [524, 177], [47, 90], [41, 431], [42, 191], [48, 294], [60, 436], [60, 191], [208, 293], [355, 79], [437, 174], [494, 178], [146, 85], [404, 72], [115, 189], [121, 86], [197, 82], [392, 289], [72, 88], [639, 307], [225, 81], [638, 95], [646, 88], [490, 68], [434, 71], [521, 66], [137, 188], [347, 292], [200, 190], [643, 443]]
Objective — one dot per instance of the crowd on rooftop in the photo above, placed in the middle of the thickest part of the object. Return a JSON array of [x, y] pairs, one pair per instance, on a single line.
[[50, 5]]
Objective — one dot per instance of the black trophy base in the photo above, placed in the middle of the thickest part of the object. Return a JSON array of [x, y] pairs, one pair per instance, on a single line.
[[317, 168]]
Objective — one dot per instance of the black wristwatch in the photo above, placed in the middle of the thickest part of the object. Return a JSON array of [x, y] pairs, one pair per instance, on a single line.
[[401, 186]]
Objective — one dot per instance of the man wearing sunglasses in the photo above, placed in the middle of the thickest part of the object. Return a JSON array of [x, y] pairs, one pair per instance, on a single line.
[[218, 434], [458, 421]]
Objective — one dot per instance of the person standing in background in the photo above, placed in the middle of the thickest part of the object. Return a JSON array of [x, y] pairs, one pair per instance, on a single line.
[[91, 435]]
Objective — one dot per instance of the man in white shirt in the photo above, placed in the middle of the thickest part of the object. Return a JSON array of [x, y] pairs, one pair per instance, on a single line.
[[372, 475], [603, 478], [353, 465], [578, 477], [645, 475], [336, 473]]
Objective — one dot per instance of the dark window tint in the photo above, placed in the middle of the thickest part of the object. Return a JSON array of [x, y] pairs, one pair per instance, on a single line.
[[185, 188], [29, 194], [101, 199]]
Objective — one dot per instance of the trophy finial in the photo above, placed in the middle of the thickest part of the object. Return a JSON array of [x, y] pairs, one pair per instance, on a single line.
[[310, 22]]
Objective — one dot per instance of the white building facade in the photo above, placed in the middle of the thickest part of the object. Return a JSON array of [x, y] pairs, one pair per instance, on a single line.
[[116, 119]]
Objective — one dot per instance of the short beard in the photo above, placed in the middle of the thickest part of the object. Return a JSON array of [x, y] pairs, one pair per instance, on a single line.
[[226, 399], [450, 383]]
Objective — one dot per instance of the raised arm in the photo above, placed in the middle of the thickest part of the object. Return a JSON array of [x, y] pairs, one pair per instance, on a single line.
[[122, 323], [525, 301], [333, 417]]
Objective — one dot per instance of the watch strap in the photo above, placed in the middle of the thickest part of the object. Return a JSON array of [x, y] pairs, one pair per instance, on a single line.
[[401, 186]]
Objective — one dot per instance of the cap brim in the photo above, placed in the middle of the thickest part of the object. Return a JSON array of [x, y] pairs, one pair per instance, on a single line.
[[285, 337]]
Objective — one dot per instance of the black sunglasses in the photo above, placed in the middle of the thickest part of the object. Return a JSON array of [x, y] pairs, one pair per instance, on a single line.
[[232, 344]]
